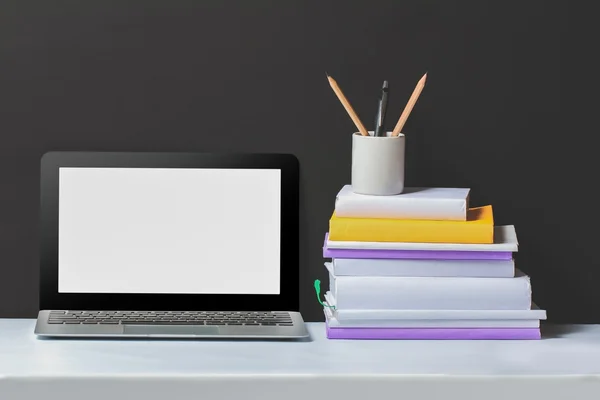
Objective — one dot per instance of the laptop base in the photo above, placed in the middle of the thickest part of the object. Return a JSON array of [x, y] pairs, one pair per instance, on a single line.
[[172, 330]]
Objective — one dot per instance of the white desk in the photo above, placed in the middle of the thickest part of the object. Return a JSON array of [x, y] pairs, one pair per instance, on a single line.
[[565, 365]]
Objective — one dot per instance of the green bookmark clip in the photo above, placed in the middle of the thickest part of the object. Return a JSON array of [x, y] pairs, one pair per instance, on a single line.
[[318, 290]]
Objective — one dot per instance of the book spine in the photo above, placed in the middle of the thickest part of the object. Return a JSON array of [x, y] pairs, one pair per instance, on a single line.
[[431, 293], [434, 333], [349, 315], [505, 241], [442, 210], [442, 323], [390, 230], [416, 254], [333, 322], [424, 268]]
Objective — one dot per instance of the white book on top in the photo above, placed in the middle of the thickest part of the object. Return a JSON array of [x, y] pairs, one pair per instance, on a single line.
[[333, 322], [419, 267], [349, 315], [430, 293], [505, 240], [446, 204]]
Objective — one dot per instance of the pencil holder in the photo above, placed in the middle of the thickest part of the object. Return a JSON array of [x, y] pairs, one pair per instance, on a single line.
[[378, 164]]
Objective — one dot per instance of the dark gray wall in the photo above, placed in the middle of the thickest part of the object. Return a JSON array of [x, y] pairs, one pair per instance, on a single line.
[[505, 110]]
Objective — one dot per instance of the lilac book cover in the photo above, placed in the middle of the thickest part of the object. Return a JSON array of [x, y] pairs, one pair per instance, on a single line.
[[434, 333], [415, 254]]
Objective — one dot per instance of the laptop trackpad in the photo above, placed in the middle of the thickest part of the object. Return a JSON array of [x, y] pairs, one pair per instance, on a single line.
[[170, 330]]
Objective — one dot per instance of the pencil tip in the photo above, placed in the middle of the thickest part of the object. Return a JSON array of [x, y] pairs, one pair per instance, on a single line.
[[385, 84], [326, 74]]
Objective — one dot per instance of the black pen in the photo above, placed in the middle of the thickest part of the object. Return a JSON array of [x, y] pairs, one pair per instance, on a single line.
[[380, 120]]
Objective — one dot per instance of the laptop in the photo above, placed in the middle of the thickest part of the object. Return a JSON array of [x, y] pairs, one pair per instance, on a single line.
[[169, 245]]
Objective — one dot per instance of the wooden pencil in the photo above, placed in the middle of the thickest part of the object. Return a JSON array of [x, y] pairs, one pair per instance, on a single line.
[[409, 106], [347, 106]]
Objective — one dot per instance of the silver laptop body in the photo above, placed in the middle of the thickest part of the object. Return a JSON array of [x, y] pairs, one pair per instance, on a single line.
[[169, 245], [70, 323]]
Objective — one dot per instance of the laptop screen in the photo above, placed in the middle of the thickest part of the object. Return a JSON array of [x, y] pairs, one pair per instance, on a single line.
[[169, 231]]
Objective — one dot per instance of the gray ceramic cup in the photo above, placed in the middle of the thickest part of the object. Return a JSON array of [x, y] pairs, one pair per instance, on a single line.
[[378, 164]]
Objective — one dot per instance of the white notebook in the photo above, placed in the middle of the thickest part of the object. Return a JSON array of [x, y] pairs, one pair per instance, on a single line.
[[347, 315], [423, 268], [505, 240], [428, 323], [414, 203], [430, 293]]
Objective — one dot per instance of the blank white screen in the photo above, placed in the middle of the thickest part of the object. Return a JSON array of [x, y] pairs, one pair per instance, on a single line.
[[146, 230]]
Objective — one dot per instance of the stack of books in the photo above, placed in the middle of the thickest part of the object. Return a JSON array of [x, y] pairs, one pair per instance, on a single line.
[[423, 265]]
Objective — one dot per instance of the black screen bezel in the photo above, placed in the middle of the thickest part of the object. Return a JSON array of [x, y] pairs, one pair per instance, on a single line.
[[50, 298]]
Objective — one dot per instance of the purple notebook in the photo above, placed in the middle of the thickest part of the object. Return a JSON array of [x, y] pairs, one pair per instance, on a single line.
[[434, 333], [415, 254]]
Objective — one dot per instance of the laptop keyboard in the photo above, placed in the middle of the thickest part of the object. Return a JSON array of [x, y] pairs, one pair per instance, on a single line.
[[275, 318]]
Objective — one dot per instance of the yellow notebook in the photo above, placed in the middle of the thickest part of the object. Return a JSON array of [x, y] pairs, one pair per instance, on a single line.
[[478, 228]]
